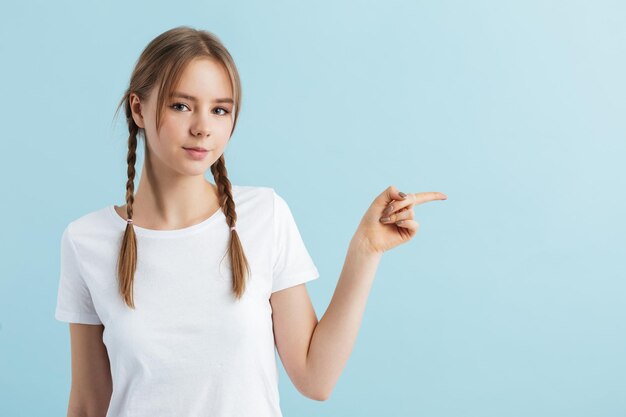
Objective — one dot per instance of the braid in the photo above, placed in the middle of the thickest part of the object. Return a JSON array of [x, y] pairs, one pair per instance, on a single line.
[[131, 158], [128, 252], [220, 174], [227, 203]]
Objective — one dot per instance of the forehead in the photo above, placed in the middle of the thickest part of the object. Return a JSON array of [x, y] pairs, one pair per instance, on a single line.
[[205, 79]]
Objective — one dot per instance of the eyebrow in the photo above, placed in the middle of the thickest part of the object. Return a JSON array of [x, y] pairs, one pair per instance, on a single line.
[[192, 98]]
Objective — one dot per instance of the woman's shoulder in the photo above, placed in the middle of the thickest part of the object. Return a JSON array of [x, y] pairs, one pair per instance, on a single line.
[[251, 193], [251, 189], [92, 222]]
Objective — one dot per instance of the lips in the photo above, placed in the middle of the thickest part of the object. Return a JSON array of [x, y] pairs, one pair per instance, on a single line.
[[196, 153]]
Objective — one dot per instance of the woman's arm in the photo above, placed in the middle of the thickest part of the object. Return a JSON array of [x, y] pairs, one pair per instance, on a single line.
[[335, 334], [315, 353], [91, 387]]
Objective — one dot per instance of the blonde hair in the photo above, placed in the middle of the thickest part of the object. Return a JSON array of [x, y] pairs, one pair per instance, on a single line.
[[162, 63]]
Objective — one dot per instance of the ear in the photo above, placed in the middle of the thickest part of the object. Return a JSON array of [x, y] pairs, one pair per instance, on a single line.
[[135, 107]]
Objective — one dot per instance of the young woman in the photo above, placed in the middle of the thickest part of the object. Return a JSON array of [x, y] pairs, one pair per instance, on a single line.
[[176, 299]]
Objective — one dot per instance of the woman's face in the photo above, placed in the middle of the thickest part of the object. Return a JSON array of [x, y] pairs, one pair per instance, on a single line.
[[195, 116]]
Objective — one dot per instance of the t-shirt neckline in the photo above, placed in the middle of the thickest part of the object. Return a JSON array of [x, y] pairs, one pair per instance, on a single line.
[[165, 233]]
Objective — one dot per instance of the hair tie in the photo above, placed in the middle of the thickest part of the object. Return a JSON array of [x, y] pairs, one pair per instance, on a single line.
[[129, 220], [233, 228]]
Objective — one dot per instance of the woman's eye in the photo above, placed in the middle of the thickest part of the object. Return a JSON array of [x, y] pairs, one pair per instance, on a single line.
[[225, 111], [174, 106]]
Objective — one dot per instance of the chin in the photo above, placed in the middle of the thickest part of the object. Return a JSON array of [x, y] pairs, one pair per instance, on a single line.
[[199, 170], [191, 167]]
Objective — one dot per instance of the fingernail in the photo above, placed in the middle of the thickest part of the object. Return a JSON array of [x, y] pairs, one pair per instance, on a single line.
[[402, 195], [388, 209], [384, 219]]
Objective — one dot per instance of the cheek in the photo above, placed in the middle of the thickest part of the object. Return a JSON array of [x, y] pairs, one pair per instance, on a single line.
[[226, 129], [223, 140], [171, 136]]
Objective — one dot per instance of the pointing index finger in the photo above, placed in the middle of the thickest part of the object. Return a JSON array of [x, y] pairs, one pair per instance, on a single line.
[[419, 198]]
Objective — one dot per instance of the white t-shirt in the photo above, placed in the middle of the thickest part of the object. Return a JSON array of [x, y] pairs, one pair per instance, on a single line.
[[189, 348]]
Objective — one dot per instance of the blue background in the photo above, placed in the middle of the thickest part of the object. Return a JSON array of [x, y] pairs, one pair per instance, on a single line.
[[510, 301]]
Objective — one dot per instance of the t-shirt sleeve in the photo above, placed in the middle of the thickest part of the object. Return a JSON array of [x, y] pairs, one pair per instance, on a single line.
[[74, 303], [292, 263]]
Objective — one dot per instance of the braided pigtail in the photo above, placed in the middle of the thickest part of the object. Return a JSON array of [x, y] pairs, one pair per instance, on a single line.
[[127, 261], [238, 259]]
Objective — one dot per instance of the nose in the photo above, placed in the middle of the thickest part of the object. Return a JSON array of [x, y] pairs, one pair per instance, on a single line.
[[200, 126]]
